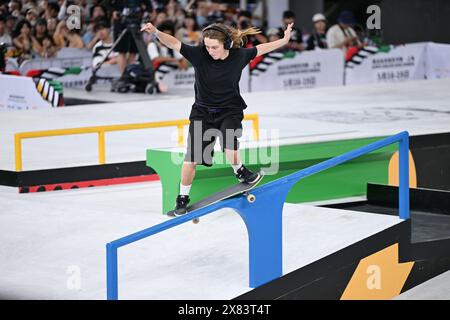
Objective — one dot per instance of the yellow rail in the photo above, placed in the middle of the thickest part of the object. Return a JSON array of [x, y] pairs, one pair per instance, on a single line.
[[100, 130]]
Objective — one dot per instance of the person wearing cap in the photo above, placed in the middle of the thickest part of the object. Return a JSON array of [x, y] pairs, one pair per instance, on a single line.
[[318, 39], [342, 35], [15, 8], [273, 34], [31, 16]]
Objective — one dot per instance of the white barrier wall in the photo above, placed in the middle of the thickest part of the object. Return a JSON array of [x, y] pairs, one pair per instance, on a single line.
[[276, 71], [438, 61], [312, 69], [401, 63], [20, 93], [184, 79], [309, 69]]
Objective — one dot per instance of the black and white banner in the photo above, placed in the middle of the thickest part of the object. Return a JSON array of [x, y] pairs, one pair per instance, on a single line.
[[309, 69], [401, 63]]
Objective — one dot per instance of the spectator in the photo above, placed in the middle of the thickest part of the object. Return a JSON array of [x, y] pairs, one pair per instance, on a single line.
[[65, 38], [104, 44], [11, 22], [318, 38], [274, 34], [31, 16], [52, 11], [85, 8], [202, 11], [342, 35], [90, 37], [28, 4], [296, 42], [97, 12], [189, 7], [189, 33], [362, 35], [49, 49], [161, 16], [161, 55], [22, 41], [244, 21], [43, 44], [215, 16], [179, 17], [40, 30], [51, 26], [230, 16], [15, 8], [42, 6], [3, 9], [171, 9], [4, 34]]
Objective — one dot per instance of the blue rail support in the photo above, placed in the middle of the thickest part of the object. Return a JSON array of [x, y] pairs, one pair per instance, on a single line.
[[263, 218]]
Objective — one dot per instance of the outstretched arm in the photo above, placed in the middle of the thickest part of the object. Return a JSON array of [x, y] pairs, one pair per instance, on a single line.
[[166, 39], [274, 45]]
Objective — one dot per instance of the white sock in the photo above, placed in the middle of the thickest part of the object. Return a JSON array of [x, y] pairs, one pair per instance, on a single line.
[[184, 190], [236, 166]]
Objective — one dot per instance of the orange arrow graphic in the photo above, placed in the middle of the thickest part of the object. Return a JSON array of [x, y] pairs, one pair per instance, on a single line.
[[378, 276]]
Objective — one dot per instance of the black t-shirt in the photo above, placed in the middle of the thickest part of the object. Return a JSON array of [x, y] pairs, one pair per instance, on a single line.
[[316, 40], [217, 81]]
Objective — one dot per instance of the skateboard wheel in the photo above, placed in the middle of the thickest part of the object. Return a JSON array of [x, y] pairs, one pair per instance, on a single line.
[[251, 198], [196, 220]]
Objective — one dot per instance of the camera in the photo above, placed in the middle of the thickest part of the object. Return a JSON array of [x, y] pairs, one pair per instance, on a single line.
[[131, 13], [244, 24]]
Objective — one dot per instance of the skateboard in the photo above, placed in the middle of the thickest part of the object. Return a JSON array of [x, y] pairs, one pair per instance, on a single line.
[[237, 189]]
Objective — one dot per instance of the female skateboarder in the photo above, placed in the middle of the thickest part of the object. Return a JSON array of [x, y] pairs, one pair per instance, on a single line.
[[218, 108]]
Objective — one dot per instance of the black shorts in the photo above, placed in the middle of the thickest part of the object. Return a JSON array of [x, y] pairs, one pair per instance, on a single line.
[[204, 129]]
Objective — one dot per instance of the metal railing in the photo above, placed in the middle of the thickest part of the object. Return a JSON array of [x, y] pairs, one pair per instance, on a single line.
[[100, 130], [267, 191]]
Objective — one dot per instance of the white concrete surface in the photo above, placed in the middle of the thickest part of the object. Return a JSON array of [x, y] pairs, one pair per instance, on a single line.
[[48, 239], [302, 116]]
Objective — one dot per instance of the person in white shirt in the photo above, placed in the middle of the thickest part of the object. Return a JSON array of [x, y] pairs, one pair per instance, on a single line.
[[163, 58], [103, 45], [342, 35]]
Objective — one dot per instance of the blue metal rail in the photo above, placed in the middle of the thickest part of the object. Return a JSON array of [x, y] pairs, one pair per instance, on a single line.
[[263, 218]]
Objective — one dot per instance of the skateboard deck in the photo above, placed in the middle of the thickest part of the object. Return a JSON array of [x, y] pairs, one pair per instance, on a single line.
[[239, 188]]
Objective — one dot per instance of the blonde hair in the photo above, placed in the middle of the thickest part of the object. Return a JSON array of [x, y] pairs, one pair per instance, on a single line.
[[239, 37]]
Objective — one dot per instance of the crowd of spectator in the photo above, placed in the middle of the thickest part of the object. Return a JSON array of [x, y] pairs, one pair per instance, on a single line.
[[39, 28]]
